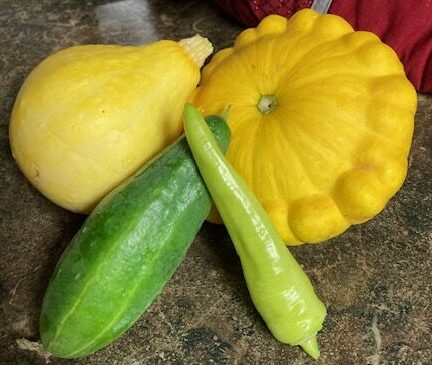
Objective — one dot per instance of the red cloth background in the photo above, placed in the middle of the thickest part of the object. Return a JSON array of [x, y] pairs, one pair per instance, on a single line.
[[405, 25]]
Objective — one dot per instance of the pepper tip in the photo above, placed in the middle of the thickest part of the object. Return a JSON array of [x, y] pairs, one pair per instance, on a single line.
[[310, 346]]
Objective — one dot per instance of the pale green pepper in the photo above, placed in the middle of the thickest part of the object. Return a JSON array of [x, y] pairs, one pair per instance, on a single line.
[[280, 290]]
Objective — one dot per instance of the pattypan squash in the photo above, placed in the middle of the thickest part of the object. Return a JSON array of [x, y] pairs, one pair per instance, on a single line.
[[87, 117], [321, 118]]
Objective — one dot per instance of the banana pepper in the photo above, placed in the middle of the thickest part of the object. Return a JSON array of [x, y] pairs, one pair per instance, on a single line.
[[279, 288]]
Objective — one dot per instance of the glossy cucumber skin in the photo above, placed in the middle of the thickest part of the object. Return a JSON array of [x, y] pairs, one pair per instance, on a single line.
[[126, 252]]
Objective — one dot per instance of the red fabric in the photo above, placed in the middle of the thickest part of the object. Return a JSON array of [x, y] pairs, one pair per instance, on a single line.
[[405, 25], [250, 12]]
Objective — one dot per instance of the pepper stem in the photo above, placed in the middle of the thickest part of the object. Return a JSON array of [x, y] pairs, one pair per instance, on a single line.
[[198, 48], [310, 346]]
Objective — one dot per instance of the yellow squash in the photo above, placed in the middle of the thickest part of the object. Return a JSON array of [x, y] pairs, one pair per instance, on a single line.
[[321, 118], [88, 117]]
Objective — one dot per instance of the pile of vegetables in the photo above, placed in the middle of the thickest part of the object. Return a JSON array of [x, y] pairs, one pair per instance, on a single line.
[[317, 136]]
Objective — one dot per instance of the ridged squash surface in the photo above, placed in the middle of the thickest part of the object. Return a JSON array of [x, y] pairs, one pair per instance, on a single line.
[[321, 119]]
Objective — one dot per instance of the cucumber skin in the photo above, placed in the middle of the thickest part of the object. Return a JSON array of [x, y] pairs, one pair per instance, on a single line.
[[126, 251]]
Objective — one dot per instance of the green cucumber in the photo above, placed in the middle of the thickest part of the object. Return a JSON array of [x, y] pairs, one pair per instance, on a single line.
[[126, 251]]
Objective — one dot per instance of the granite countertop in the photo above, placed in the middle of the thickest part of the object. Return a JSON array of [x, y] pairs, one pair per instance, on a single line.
[[375, 278]]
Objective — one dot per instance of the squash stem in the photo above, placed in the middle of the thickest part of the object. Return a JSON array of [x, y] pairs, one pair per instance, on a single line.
[[267, 103], [198, 48]]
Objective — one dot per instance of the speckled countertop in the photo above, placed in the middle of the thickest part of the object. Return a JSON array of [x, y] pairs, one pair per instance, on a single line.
[[375, 279]]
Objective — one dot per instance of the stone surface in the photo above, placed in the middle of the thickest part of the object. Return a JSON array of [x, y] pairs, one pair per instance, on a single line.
[[375, 279]]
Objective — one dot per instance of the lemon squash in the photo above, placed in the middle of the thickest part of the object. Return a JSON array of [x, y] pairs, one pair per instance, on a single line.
[[321, 120], [88, 117]]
